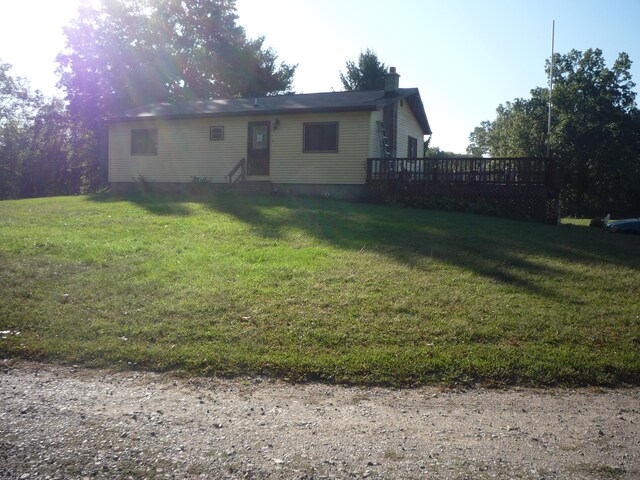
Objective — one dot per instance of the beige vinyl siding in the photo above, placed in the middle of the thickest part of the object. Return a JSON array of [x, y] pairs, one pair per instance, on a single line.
[[289, 164], [185, 151], [408, 126]]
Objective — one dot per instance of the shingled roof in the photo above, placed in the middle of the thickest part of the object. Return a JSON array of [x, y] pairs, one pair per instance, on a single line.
[[280, 104]]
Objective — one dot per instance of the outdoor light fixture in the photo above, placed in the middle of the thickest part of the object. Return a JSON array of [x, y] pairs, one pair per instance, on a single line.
[[276, 123]]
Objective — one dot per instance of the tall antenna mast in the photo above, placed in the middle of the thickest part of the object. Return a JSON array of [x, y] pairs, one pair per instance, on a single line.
[[553, 34]]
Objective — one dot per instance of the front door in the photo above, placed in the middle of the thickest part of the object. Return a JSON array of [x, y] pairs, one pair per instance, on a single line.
[[258, 148]]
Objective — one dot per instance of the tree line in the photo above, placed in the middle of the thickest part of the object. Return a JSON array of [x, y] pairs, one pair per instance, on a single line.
[[43, 151], [595, 132]]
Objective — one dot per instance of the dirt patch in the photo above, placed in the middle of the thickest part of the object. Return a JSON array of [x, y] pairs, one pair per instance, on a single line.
[[64, 422]]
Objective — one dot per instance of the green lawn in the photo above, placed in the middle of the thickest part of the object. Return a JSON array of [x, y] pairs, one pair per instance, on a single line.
[[578, 222], [316, 289]]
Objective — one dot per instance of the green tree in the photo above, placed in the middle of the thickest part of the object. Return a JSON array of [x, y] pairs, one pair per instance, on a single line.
[[37, 154], [436, 152], [367, 74], [51, 163], [126, 53], [595, 132], [518, 130], [18, 107]]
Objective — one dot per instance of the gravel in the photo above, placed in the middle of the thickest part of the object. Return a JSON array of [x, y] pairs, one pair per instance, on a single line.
[[67, 422]]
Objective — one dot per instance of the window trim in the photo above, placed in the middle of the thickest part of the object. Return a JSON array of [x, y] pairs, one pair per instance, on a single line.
[[152, 140], [327, 150], [213, 128]]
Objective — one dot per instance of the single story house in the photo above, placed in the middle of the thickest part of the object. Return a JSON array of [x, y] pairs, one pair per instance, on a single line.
[[309, 143]]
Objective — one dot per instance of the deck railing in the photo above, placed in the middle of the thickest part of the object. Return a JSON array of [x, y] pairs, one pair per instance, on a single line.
[[515, 187], [464, 170]]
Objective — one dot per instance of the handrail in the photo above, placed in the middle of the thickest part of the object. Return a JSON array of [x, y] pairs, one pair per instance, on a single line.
[[239, 166]]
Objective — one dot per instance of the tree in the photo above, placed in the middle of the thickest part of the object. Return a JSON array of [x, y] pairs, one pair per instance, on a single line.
[[36, 149], [52, 164], [518, 130], [367, 74], [126, 53], [18, 106], [436, 152], [595, 132]]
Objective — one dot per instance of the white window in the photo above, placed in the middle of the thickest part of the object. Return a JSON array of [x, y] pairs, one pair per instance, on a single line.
[[144, 141], [216, 133]]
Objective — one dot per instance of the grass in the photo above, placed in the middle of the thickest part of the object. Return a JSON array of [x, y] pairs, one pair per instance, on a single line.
[[316, 289], [578, 222]]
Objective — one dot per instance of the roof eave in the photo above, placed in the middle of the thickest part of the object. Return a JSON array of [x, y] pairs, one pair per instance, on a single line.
[[417, 107]]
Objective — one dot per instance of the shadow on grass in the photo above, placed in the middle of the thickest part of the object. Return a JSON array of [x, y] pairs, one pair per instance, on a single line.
[[155, 203], [494, 248]]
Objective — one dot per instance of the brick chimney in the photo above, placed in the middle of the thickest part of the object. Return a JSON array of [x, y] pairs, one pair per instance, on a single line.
[[391, 82]]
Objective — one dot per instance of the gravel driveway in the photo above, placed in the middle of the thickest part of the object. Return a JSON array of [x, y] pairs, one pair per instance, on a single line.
[[64, 422]]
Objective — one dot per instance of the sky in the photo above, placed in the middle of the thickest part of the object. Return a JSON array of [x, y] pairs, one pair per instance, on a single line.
[[465, 56]]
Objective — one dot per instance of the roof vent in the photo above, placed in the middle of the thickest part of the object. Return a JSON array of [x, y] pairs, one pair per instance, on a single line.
[[391, 82]]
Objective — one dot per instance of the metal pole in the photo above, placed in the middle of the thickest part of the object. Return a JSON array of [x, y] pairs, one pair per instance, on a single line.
[[553, 33]]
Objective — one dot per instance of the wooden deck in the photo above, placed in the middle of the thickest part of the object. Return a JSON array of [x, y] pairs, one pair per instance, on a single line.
[[514, 187]]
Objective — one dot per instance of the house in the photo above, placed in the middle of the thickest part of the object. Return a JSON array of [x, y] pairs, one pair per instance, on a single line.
[[309, 143]]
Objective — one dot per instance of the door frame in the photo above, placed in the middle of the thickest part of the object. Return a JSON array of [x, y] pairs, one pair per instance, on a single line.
[[258, 155]]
